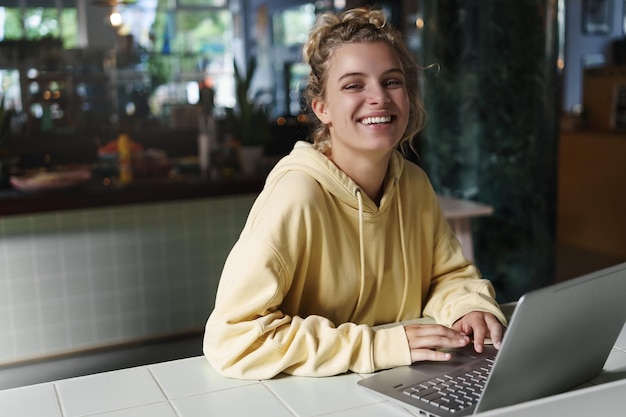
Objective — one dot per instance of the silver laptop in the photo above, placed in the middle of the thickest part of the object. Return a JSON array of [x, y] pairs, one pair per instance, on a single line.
[[558, 337]]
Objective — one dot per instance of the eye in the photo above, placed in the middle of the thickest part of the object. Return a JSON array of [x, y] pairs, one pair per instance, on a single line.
[[393, 82], [352, 86]]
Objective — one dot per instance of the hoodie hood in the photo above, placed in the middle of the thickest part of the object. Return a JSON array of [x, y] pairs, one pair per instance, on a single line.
[[305, 158]]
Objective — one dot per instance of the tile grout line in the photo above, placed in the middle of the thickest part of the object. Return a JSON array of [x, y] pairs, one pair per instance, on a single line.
[[58, 395], [278, 398], [167, 398]]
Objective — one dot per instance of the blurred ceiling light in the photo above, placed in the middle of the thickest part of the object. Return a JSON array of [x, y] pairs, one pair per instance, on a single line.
[[115, 18], [419, 23]]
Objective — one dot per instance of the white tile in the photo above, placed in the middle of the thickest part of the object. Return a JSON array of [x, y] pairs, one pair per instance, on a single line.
[[192, 376], [386, 409], [108, 391], [251, 400], [313, 396], [36, 400], [163, 409]]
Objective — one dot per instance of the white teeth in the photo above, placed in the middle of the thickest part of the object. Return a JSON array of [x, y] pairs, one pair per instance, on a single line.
[[376, 120]]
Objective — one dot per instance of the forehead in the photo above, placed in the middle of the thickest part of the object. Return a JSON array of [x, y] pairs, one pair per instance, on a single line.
[[370, 57]]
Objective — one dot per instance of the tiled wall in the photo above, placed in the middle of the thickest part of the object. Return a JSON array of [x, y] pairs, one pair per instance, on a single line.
[[79, 279]]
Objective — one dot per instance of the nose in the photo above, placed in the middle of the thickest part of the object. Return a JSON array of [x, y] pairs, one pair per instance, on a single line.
[[378, 95]]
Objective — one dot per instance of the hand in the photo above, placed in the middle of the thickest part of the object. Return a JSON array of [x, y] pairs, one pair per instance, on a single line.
[[480, 325], [425, 338]]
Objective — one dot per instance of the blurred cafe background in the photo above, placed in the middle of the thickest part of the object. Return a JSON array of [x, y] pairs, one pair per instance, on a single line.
[[135, 134]]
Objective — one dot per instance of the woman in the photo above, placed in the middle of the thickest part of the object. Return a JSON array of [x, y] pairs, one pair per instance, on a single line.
[[346, 234]]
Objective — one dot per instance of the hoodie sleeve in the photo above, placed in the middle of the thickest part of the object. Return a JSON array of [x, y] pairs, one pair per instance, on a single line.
[[248, 337], [456, 286]]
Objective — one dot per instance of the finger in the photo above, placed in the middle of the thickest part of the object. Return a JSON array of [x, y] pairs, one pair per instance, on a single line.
[[431, 329], [461, 326], [418, 355], [434, 342], [495, 332], [479, 337], [430, 337]]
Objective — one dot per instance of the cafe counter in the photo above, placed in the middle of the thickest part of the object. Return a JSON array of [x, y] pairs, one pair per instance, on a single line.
[[96, 194]]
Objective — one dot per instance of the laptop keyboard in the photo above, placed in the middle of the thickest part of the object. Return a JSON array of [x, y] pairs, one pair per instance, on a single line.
[[454, 391]]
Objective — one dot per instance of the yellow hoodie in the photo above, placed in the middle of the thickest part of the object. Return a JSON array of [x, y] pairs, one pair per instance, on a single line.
[[318, 264]]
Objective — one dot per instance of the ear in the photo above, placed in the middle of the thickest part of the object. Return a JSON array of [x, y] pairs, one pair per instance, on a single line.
[[320, 110]]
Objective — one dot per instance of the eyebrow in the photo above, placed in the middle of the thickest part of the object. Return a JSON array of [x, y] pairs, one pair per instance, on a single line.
[[357, 74]]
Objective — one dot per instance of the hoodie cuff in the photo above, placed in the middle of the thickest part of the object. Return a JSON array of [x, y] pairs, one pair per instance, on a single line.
[[391, 348]]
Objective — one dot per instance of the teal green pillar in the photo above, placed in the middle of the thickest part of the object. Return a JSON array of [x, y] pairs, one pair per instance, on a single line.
[[491, 134]]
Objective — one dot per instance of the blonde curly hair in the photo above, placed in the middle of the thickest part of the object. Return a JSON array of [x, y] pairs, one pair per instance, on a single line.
[[359, 25]]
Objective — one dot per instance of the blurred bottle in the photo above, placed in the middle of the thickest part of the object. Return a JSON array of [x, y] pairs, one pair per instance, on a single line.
[[125, 159]]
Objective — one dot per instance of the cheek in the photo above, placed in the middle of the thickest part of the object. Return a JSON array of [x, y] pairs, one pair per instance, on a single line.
[[406, 104], [336, 110], [404, 98]]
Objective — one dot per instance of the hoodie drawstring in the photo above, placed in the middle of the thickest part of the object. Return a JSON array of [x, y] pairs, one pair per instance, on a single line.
[[405, 289], [359, 198]]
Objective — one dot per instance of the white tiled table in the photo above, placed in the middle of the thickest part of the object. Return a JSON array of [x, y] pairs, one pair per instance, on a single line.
[[459, 213], [190, 388]]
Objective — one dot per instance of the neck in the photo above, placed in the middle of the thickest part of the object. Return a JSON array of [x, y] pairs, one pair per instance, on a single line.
[[367, 174]]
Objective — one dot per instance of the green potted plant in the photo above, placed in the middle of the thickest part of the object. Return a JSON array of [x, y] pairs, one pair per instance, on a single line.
[[248, 122]]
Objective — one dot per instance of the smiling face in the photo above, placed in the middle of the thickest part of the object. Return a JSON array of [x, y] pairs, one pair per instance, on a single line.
[[366, 106]]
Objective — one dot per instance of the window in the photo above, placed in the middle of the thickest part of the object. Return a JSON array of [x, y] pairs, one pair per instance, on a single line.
[[159, 57], [292, 26], [10, 89], [187, 43], [11, 23], [39, 19]]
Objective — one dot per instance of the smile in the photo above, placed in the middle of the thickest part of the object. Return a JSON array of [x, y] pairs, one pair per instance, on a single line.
[[376, 120]]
